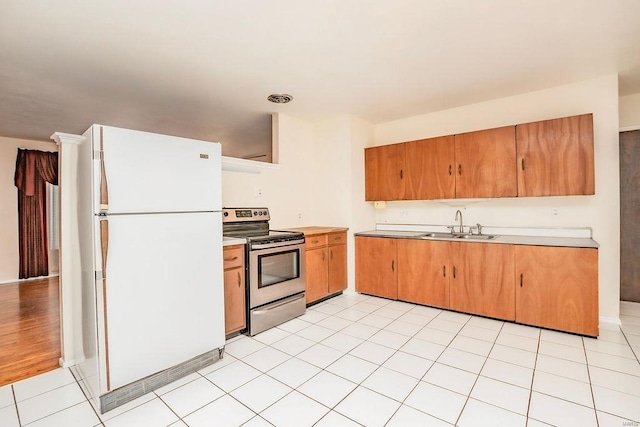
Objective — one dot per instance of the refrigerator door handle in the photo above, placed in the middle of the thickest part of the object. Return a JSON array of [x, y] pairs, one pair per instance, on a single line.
[[104, 243], [104, 190]]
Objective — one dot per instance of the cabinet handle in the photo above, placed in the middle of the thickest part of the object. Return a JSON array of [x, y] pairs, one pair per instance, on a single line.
[[454, 271], [444, 271], [231, 259], [401, 174], [331, 254], [521, 279], [459, 169], [323, 255], [393, 267], [315, 241], [239, 281], [450, 170], [522, 163]]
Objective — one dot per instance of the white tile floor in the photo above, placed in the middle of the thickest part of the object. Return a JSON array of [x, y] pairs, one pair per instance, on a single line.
[[358, 360]]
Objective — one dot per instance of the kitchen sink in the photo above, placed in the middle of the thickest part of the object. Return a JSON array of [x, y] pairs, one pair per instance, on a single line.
[[438, 235], [476, 236]]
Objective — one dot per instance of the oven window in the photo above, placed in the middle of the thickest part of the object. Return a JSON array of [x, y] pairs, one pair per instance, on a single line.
[[278, 267]]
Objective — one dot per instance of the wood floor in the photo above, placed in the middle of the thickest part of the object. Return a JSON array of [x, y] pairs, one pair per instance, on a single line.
[[29, 329]]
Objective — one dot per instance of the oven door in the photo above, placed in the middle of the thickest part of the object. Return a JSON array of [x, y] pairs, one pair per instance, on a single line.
[[276, 271]]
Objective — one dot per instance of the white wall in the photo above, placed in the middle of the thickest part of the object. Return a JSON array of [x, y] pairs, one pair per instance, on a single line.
[[320, 178], [601, 211], [285, 191], [630, 111]]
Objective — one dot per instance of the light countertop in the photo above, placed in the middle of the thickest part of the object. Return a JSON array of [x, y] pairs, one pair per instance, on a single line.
[[228, 241], [575, 242]]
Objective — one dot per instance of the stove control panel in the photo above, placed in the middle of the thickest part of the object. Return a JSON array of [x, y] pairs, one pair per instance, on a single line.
[[245, 214]]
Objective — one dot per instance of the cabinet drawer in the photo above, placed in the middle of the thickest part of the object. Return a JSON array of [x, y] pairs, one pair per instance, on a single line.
[[337, 238], [317, 241], [233, 256]]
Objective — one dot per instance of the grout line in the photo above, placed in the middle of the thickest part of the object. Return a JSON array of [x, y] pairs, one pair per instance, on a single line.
[[15, 404]]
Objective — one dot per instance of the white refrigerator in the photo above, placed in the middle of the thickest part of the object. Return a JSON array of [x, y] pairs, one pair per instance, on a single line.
[[150, 232]]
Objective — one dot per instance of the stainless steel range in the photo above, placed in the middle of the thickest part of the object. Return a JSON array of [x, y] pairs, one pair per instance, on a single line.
[[276, 270]]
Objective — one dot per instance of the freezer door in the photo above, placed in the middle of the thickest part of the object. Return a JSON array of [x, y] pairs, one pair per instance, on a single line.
[[163, 291], [145, 172]]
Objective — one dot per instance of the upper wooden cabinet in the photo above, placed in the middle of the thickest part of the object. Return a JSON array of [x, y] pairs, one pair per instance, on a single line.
[[384, 172], [555, 157], [485, 163], [429, 165], [547, 158]]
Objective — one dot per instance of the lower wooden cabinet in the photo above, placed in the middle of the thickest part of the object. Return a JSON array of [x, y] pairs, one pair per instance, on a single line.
[[326, 265], [557, 288], [482, 279], [376, 266], [546, 286], [235, 316], [424, 272]]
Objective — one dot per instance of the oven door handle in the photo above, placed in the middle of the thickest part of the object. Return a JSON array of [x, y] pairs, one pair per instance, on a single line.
[[285, 301], [277, 244]]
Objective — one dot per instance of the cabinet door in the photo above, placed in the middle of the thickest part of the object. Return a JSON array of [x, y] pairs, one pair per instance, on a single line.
[[486, 163], [429, 169], [482, 280], [384, 172], [337, 268], [557, 288], [316, 274], [376, 266], [555, 157], [234, 300], [423, 272]]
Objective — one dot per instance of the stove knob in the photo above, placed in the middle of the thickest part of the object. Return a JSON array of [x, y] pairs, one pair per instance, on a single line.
[[255, 213], [260, 213], [225, 213]]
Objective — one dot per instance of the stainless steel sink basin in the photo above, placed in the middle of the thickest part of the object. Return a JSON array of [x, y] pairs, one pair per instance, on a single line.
[[476, 237], [437, 235]]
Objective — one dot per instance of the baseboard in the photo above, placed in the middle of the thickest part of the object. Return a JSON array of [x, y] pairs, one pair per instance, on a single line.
[[610, 320], [68, 363]]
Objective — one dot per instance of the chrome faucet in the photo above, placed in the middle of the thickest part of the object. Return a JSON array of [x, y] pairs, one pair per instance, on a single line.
[[459, 217]]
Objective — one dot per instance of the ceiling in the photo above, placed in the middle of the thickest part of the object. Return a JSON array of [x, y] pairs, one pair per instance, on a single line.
[[203, 69]]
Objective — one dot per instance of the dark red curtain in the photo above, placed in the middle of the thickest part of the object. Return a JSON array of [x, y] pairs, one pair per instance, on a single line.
[[33, 170]]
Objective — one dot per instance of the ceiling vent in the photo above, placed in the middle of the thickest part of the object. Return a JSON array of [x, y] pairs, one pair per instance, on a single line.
[[280, 98]]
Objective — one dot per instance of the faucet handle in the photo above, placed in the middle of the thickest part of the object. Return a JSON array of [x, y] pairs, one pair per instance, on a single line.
[[451, 228], [479, 227]]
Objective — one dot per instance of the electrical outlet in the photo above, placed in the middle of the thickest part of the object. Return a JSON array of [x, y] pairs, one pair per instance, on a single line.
[[554, 211], [299, 216], [257, 191]]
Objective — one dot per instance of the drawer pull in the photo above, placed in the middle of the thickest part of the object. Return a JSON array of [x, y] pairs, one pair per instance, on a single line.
[[231, 259], [315, 241], [239, 281], [338, 238]]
